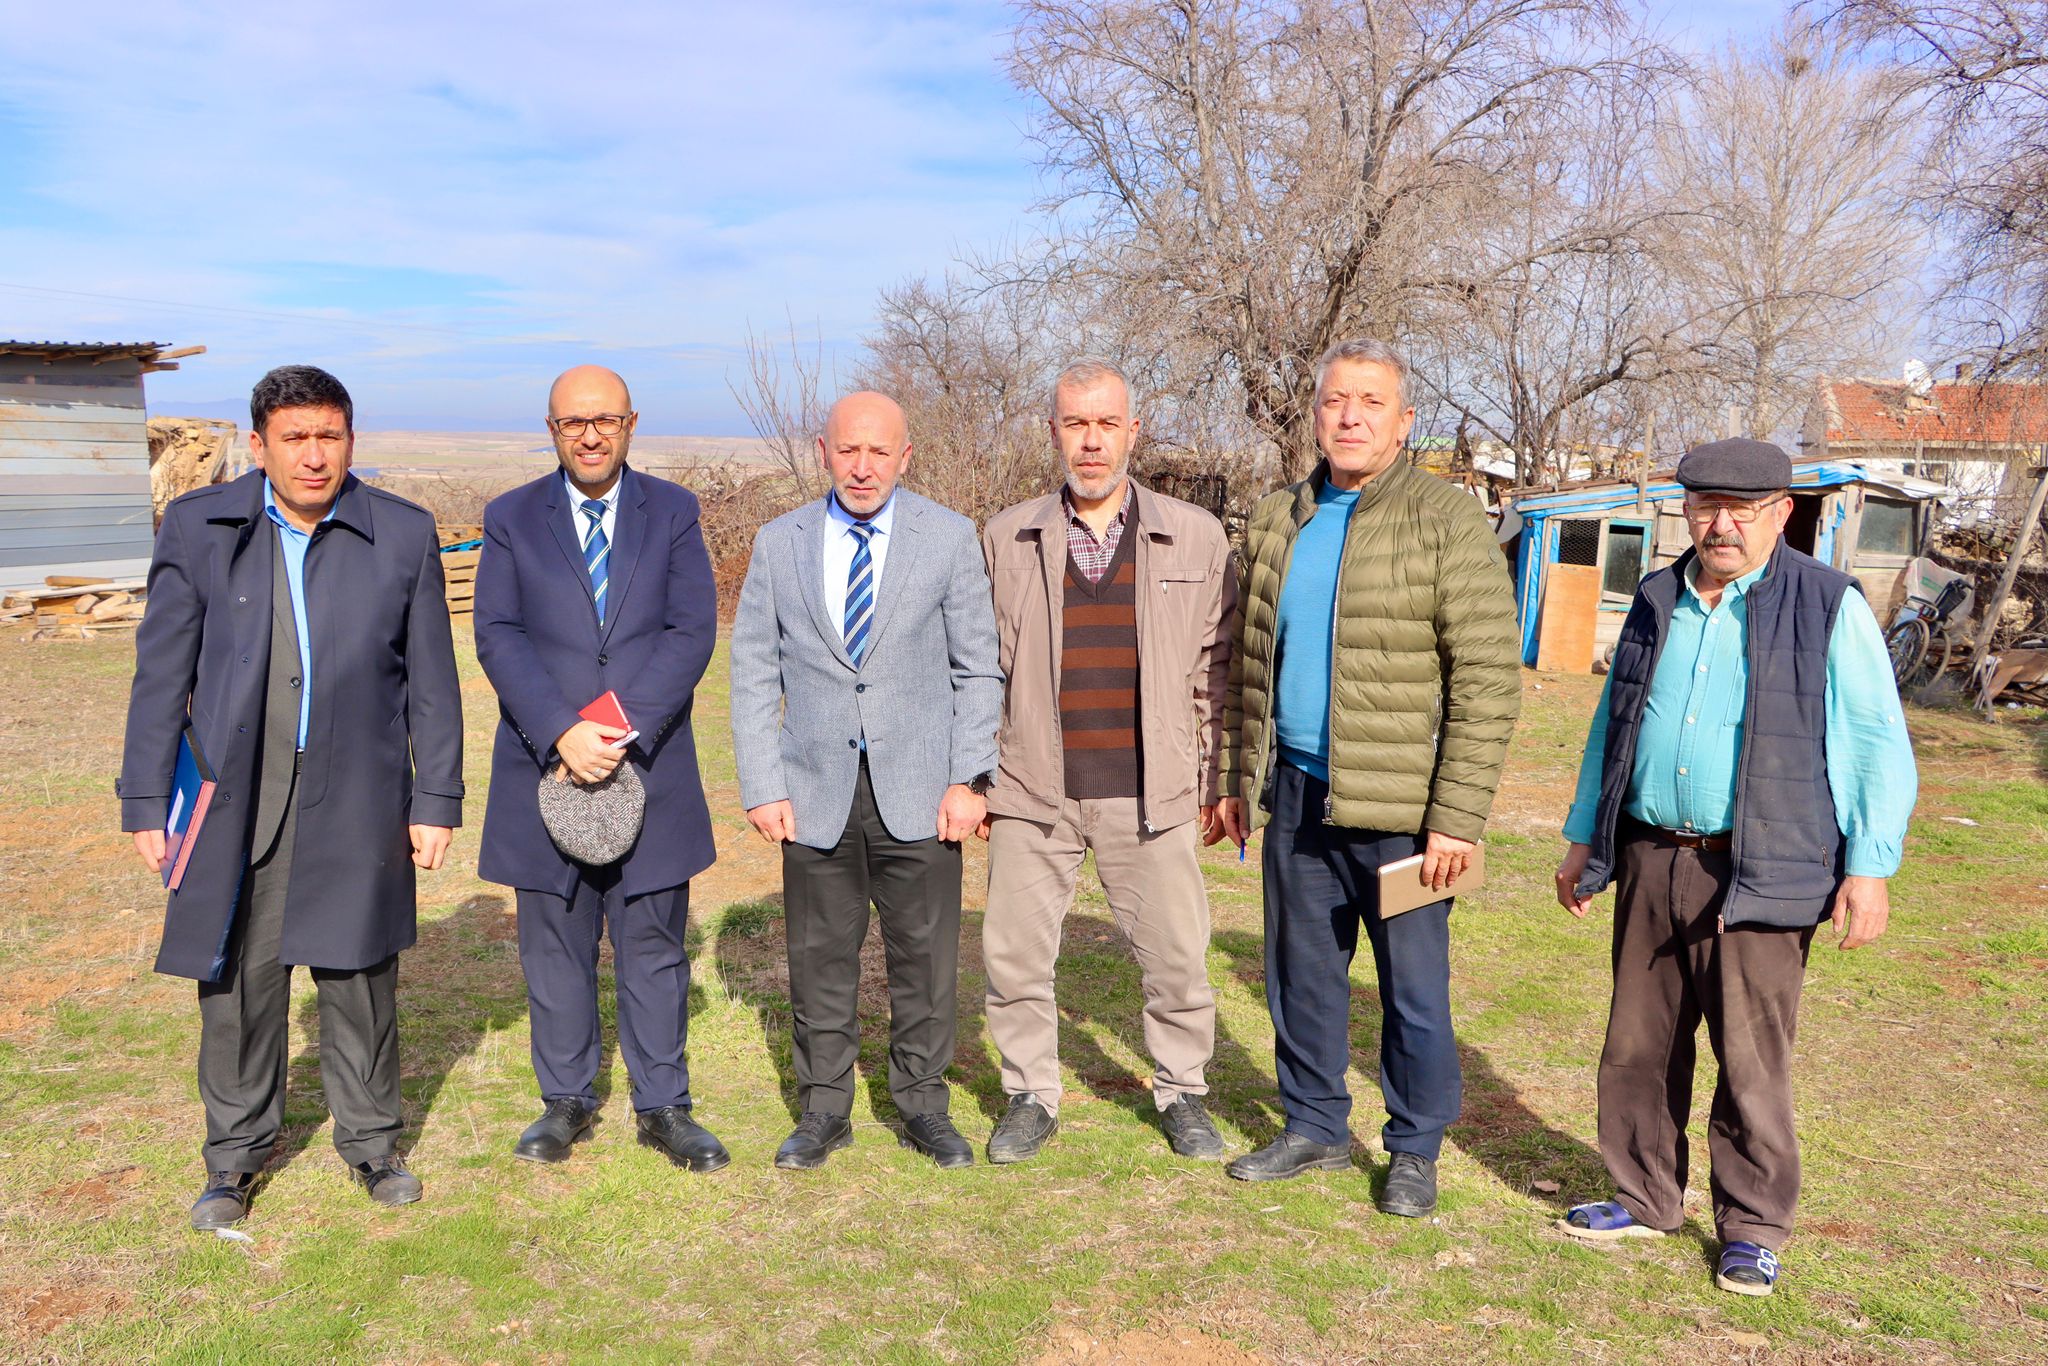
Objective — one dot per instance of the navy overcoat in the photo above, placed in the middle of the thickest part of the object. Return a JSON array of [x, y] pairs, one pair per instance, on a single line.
[[384, 747], [538, 638]]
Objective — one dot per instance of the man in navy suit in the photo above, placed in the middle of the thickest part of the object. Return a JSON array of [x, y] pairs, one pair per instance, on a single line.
[[297, 628], [594, 577]]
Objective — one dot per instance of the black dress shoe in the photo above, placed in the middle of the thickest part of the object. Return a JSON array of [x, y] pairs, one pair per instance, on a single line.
[[224, 1202], [1411, 1186], [936, 1138], [1022, 1130], [388, 1181], [817, 1136], [1290, 1155], [1190, 1130], [686, 1142], [549, 1138]]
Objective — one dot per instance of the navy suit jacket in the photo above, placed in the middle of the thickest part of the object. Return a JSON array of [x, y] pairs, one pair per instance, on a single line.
[[385, 746], [538, 638]]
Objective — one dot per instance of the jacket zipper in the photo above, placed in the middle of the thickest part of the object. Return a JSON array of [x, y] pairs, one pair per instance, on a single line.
[[1330, 690]]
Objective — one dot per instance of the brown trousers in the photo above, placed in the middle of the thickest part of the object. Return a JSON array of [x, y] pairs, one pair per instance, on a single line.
[[1672, 966], [1154, 884]]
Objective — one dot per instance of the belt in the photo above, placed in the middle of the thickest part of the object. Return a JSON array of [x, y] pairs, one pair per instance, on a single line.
[[1689, 839]]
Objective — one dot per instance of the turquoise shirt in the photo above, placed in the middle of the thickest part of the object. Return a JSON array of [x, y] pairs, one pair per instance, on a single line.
[[1304, 633], [291, 545], [1689, 752]]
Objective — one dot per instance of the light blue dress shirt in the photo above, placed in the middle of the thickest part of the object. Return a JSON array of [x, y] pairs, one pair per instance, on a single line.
[[291, 545], [1304, 633], [1689, 752], [577, 519], [841, 542]]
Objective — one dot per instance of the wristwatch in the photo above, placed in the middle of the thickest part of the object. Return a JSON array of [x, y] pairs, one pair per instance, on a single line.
[[980, 783]]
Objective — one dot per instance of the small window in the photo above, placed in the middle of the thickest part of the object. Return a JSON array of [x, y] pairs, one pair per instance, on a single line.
[[1887, 528], [1626, 550], [1578, 542]]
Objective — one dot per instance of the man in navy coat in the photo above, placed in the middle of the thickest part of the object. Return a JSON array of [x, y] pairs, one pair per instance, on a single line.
[[594, 578], [297, 626]]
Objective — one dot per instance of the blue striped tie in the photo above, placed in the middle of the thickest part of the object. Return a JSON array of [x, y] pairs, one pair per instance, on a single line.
[[860, 595], [597, 553]]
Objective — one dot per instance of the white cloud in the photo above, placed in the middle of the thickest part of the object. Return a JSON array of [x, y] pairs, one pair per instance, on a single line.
[[640, 175]]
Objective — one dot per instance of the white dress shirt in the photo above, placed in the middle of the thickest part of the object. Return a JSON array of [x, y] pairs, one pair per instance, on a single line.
[[581, 522], [840, 543]]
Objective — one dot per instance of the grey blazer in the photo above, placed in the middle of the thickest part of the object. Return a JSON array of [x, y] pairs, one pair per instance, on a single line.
[[928, 696]]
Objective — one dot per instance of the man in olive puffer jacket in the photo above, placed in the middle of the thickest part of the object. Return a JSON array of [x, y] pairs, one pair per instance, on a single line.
[[1374, 685]]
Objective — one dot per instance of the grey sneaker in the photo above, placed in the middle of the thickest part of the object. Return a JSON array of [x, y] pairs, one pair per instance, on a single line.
[[1022, 1130], [1190, 1130]]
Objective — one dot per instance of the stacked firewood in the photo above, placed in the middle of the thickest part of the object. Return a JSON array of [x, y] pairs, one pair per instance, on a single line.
[[74, 607]]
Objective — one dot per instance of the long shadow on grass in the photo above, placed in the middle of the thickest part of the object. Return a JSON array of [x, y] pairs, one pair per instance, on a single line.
[[459, 983], [1496, 1128]]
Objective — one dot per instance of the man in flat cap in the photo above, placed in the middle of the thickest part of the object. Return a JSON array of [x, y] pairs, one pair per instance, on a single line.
[[1747, 775]]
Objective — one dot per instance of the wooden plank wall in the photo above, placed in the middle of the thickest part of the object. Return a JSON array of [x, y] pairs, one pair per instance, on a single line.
[[74, 461]]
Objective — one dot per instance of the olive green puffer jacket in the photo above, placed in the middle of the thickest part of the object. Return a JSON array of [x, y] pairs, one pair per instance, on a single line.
[[1426, 674]]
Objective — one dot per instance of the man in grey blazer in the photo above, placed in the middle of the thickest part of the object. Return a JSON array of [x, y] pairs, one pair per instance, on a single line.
[[865, 698]]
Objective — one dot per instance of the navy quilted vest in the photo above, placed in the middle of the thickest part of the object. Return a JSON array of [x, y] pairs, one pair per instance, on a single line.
[[1787, 847]]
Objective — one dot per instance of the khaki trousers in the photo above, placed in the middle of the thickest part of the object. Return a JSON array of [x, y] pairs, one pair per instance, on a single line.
[[1156, 896]]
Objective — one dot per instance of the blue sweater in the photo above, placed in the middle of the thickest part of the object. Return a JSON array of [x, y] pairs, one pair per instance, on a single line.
[[1304, 632]]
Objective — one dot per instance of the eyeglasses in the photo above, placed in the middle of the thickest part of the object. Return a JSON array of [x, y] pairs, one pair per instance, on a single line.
[[1742, 514], [607, 424]]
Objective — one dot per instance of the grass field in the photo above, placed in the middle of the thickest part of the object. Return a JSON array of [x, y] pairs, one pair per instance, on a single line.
[[1923, 1087]]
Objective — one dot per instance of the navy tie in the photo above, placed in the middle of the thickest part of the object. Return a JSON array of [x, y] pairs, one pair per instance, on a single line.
[[596, 553], [860, 595]]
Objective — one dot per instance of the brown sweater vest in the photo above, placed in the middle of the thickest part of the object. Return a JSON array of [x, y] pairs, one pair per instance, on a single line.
[[1099, 678]]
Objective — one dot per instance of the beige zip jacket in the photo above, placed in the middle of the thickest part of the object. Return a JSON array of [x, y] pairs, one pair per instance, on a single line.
[[1187, 610]]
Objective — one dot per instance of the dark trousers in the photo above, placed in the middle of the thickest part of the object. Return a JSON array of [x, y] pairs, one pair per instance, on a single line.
[[558, 944], [915, 886], [1671, 967], [244, 1023], [1322, 882]]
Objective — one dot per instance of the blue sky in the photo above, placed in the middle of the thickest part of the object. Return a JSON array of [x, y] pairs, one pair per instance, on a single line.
[[447, 204]]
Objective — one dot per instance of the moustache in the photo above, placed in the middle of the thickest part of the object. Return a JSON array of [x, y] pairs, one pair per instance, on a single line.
[[1725, 539]]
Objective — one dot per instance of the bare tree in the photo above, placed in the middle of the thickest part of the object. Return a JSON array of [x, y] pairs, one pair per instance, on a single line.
[[1279, 175], [783, 401], [1793, 198], [1978, 71]]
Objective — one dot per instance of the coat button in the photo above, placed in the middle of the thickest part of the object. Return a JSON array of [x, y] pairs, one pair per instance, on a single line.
[[860, 687], [853, 744], [245, 659], [241, 730], [295, 682], [604, 659], [226, 797]]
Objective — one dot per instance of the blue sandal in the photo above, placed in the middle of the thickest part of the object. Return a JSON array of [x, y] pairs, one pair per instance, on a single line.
[[1747, 1269], [1604, 1221]]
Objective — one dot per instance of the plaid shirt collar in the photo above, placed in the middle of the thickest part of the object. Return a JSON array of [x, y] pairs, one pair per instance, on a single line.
[[1093, 556]]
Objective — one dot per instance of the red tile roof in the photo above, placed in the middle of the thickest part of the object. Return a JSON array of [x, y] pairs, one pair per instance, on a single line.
[[1885, 413]]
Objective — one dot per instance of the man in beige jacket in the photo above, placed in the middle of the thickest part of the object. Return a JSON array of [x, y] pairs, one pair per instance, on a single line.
[[1114, 611]]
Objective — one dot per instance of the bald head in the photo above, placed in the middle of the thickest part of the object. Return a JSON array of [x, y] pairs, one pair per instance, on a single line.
[[583, 402], [584, 390], [865, 449]]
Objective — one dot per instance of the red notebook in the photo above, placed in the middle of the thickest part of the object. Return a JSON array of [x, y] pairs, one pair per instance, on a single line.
[[606, 711]]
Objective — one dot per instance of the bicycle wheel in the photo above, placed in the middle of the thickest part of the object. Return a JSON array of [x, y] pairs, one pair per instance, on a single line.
[[1907, 644]]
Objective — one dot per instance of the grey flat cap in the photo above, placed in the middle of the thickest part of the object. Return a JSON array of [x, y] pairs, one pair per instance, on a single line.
[[1737, 465], [593, 823]]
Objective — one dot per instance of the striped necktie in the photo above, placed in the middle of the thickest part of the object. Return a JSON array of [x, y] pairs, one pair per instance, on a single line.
[[860, 594], [597, 553]]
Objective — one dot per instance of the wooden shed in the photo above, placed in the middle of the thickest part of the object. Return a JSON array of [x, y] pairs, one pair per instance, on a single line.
[[1578, 551], [74, 458]]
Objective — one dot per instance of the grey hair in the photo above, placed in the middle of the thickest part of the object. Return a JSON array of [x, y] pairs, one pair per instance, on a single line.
[[1366, 349], [1087, 370]]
